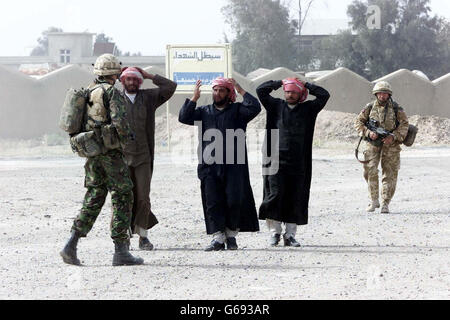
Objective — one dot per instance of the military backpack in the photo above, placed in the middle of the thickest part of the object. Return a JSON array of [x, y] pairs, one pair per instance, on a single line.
[[73, 118], [74, 109]]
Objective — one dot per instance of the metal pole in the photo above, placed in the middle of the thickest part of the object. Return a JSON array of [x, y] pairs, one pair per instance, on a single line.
[[168, 125]]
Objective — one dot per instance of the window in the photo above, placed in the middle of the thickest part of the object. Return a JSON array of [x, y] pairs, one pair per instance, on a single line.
[[64, 56]]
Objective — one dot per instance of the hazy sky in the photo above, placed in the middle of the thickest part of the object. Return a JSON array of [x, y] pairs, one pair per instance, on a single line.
[[139, 25]]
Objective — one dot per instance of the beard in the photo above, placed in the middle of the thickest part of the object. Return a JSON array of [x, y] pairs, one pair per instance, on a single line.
[[293, 101], [222, 102], [131, 88]]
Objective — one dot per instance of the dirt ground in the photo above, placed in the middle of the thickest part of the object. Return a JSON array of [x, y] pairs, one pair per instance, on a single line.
[[346, 253]]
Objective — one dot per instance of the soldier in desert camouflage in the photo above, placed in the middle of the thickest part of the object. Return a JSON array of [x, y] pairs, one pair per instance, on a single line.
[[391, 117]]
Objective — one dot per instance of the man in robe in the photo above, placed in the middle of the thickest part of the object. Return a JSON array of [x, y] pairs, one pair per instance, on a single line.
[[287, 191], [227, 197], [141, 105]]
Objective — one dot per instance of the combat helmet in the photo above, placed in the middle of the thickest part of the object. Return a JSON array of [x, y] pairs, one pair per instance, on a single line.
[[106, 65], [382, 86]]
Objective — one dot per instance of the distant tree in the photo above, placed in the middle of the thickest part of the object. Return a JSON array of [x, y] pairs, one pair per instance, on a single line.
[[103, 38], [265, 36], [42, 48], [303, 11], [409, 38]]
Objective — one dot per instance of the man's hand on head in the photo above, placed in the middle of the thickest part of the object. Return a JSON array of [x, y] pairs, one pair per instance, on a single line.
[[301, 81], [238, 87], [145, 74]]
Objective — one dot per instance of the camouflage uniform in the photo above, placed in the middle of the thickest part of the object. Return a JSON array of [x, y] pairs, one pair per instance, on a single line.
[[388, 155], [107, 171], [106, 130]]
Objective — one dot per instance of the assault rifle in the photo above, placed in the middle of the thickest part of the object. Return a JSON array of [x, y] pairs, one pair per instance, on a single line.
[[374, 126]]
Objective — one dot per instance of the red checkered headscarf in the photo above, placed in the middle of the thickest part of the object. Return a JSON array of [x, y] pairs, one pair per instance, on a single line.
[[226, 83], [133, 73], [292, 84]]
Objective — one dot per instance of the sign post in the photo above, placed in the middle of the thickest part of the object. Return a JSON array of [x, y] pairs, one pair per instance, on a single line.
[[185, 64]]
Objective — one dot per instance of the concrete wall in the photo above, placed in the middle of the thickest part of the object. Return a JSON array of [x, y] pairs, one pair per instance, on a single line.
[[30, 108], [414, 93], [349, 91], [17, 104], [441, 104]]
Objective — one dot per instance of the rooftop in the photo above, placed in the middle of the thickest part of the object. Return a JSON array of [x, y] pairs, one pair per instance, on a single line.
[[317, 27], [71, 33]]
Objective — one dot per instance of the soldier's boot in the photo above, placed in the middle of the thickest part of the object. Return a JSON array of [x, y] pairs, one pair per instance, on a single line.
[[69, 253], [385, 208], [373, 205], [122, 256]]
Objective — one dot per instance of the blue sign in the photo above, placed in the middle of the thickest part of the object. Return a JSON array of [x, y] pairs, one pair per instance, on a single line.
[[190, 78]]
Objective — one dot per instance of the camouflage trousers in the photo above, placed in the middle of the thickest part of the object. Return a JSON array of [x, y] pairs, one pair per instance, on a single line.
[[389, 156], [107, 172]]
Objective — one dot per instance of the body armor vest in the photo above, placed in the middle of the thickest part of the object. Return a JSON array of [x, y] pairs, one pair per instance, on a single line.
[[97, 111], [386, 116]]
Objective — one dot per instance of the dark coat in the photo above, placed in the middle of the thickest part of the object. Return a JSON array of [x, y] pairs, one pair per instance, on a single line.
[[141, 117], [227, 196], [139, 154], [286, 193]]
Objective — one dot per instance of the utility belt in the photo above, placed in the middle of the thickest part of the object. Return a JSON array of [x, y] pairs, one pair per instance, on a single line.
[[98, 141]]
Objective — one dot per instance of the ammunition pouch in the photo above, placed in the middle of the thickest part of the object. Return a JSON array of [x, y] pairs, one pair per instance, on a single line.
[[110, 137], [86, 144], [411, 136]]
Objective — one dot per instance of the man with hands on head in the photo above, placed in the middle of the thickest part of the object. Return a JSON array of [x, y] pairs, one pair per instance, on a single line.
[[141, 105], [227, 197], [287, 191]]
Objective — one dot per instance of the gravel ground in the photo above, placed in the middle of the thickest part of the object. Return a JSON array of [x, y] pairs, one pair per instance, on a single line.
[[346, 253]]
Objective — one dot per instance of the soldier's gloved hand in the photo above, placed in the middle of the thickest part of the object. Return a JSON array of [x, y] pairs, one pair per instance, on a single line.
[[373, 136]]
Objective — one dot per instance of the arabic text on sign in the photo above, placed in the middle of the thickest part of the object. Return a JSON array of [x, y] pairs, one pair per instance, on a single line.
[[190, 78], [199, 56]]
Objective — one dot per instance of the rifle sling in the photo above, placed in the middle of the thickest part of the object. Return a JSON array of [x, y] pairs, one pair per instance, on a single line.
[[357, 153]]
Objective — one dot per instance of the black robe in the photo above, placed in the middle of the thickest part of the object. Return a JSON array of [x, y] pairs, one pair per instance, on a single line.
[[286, 193], [227, 196]]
